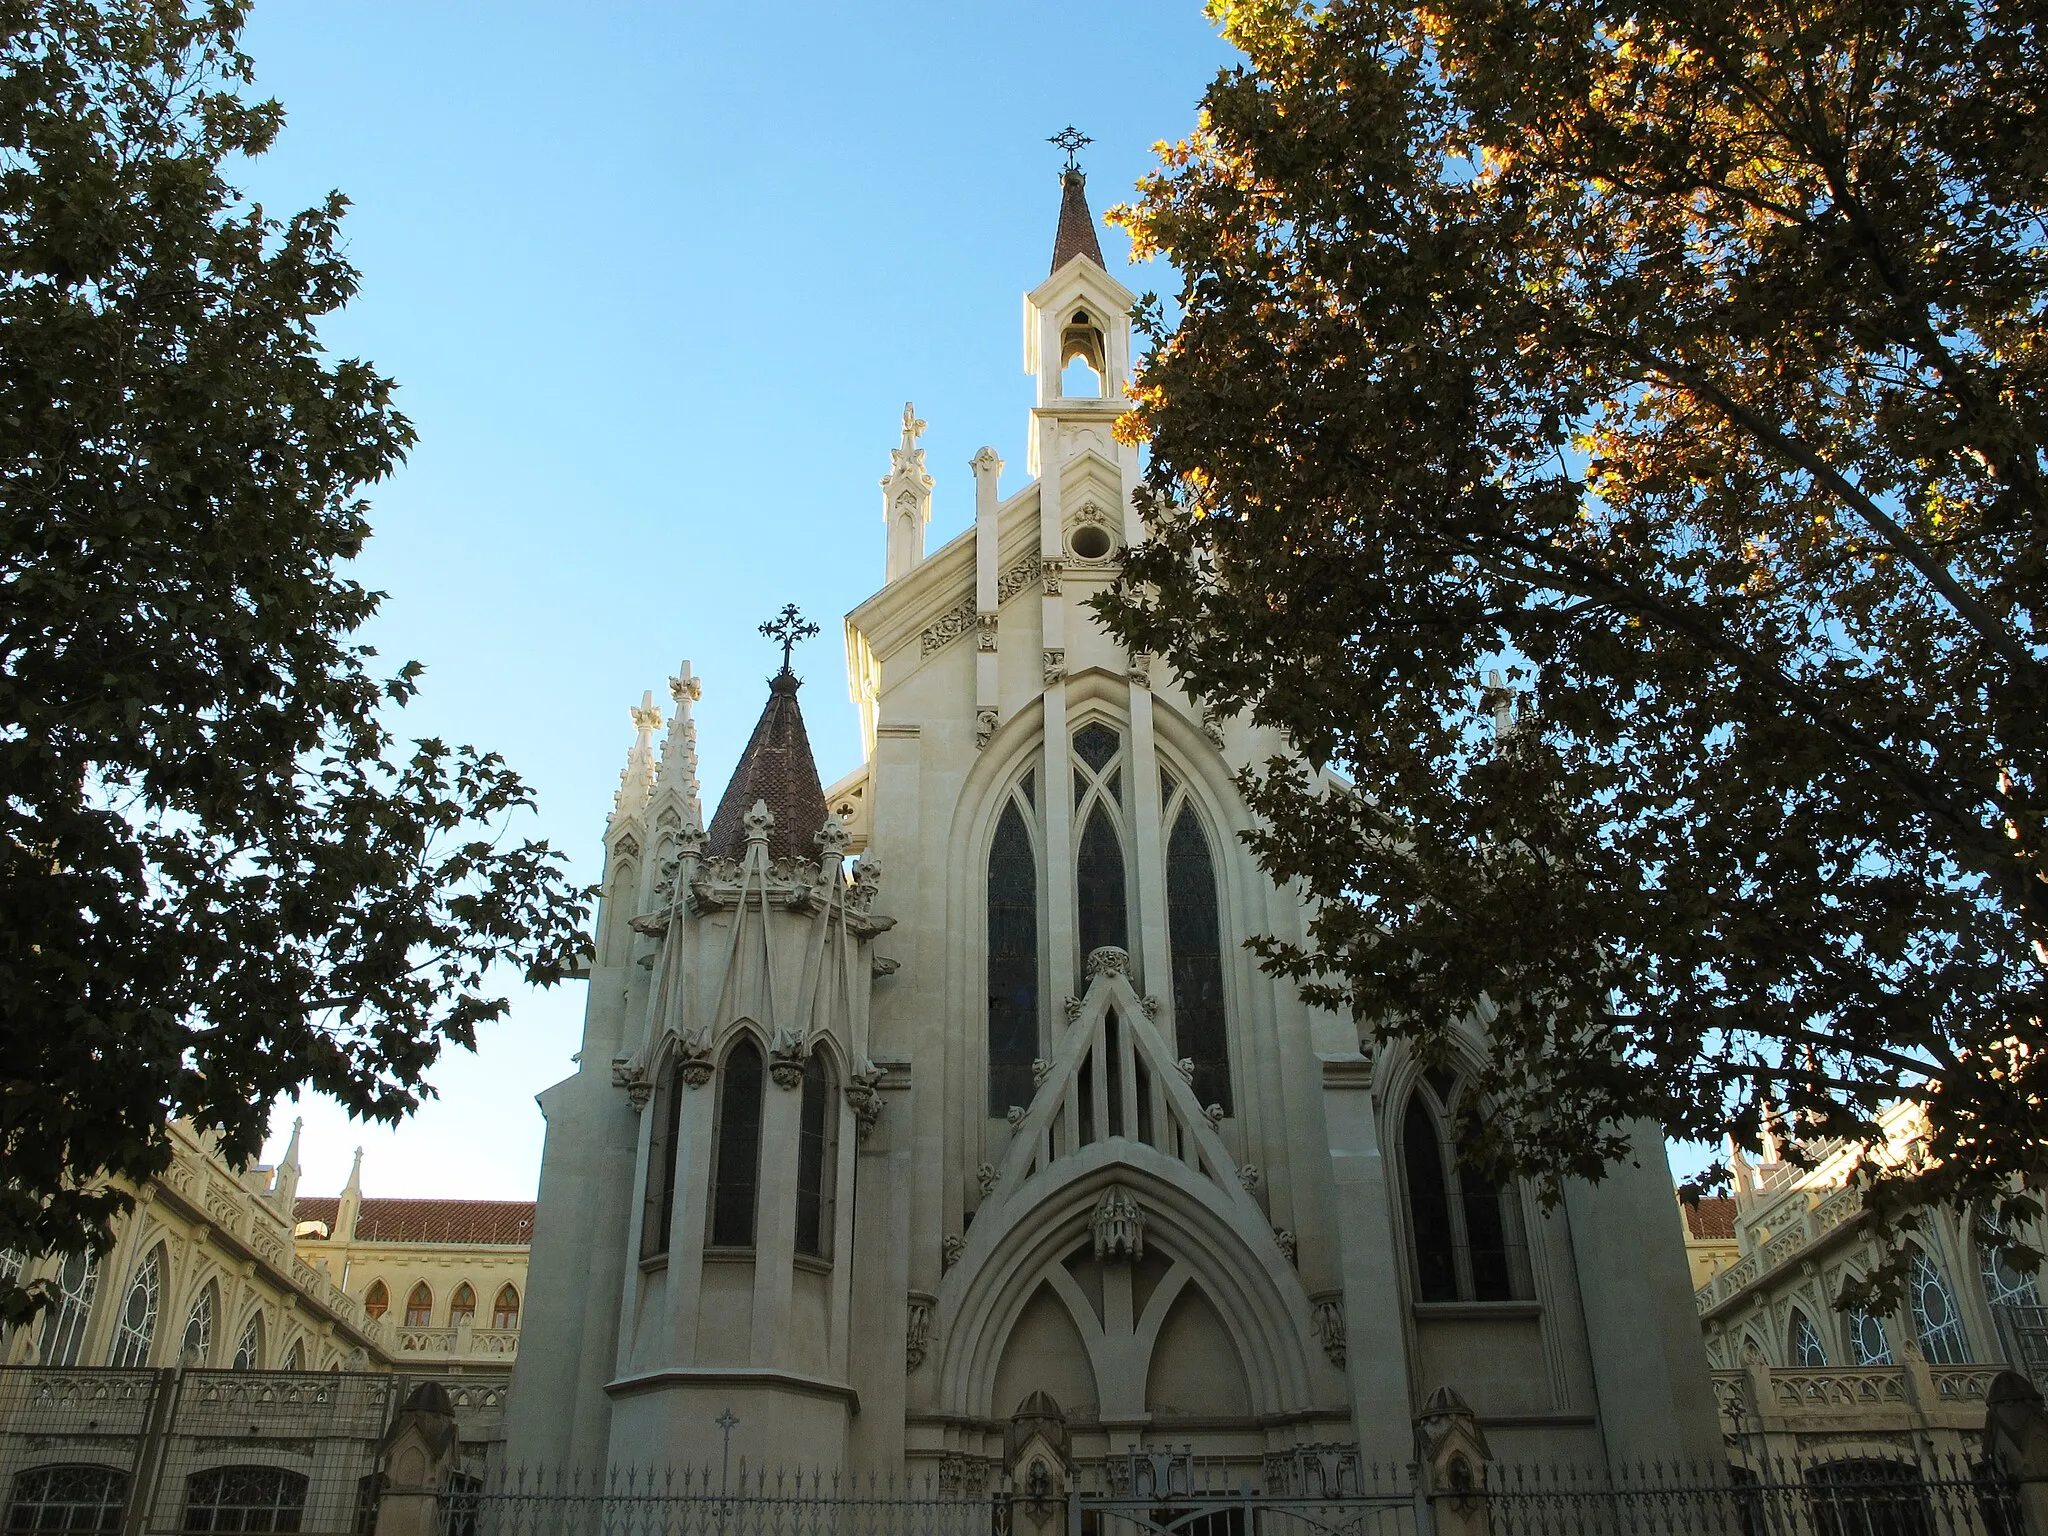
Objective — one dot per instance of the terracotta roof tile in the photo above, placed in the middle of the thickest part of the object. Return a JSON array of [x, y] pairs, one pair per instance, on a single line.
[[1710, 1218], [1076, 236], [502, 1222], [776, 767]]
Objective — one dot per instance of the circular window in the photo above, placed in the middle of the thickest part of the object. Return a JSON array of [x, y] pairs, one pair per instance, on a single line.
[[1090, 542]]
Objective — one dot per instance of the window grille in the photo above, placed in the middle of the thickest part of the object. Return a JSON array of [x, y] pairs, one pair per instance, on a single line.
[[137, 1327], [244, 1499], [76, 1500]]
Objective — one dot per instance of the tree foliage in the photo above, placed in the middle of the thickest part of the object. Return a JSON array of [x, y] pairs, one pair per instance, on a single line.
[[222, 877], [1685, 363]]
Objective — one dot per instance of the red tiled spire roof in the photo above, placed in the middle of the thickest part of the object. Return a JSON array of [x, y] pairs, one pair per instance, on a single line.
[[508, 1223], [776, 767], [1076, 235]]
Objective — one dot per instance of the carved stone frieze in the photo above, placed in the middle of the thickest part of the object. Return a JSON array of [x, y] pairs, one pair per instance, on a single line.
[[965, 614], [1019, 576]]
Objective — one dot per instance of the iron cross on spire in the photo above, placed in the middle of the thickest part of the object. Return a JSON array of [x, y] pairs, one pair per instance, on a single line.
[[1070, 139], [789, 626]]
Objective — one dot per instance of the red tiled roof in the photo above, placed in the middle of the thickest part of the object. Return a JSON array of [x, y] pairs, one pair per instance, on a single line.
[[1712, 1217], [504, 1222], [776, 767], [1076, 236]]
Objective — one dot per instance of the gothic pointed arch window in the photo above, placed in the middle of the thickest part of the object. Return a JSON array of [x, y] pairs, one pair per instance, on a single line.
[[377, 1299], [419, 1307], [1465, 1234], [462, 1305], [505, 1310], [816, 1159], [2005, 1283], [135, 1330], [1194, 936], [1102, 914], [1868, 1342], [249, 1348], [1012, 910], [664, 1146], [197, 1344], [1808, 1349], [1937, 1320], [736, 1163], [64, 1327]]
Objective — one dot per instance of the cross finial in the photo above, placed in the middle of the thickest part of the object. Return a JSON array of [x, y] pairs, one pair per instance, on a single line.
[[1070, 139], [789, 626]]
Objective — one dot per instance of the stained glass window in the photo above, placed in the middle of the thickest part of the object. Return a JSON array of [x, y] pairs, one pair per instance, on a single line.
[[1935, 1316], [1012, 963], [1102, 916], [376, 1300], [814, 1161], [137, 1327], [738, 1169], [505, 1310], [419, 1307], [1195, 935], [1486, 1238], [1095, 744], [462, 1305]]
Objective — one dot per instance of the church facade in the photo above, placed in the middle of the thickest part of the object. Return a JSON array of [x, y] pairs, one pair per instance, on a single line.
[[948, 1088]]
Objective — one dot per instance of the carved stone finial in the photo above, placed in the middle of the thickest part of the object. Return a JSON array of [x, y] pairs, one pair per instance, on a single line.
[[986, 462], [1119, 1226], [1041, 1069], [1186, 1068], [987, 1178], [867, 880], [1016, 1116], [1214, 1115], [645, 716], [759, 822], [950, 1250], [833, 836], [1250, 1177], [984, 726]]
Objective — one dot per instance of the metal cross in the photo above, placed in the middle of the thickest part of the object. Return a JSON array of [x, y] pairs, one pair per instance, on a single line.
[[1070, 139], [728, 1421], [788, 626]]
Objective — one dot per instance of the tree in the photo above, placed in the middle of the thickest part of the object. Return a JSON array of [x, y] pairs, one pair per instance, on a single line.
[[222, 876], [1685, 364]]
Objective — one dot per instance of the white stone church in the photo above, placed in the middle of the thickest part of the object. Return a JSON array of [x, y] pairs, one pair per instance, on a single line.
[[906, 1099]]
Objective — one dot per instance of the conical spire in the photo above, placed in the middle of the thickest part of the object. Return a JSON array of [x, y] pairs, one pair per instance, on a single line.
[[778, 768], [679, 751], [1076, 235], [284, 1188], [636, 779]]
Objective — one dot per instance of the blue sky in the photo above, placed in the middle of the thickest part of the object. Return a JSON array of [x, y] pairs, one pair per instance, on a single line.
[[655, 282]]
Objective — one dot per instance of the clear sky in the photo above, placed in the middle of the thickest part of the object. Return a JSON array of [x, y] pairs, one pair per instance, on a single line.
[[655, 281]]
